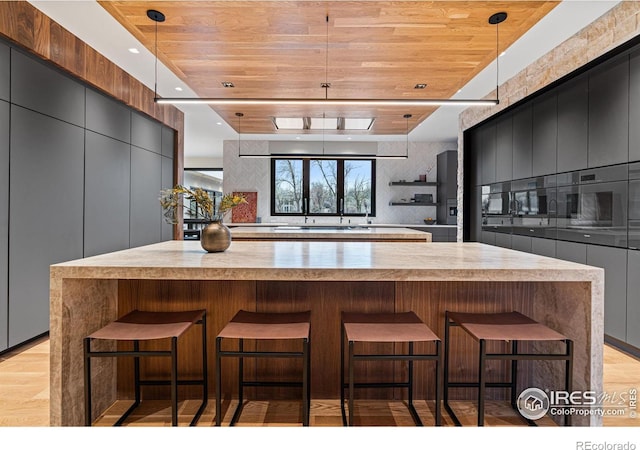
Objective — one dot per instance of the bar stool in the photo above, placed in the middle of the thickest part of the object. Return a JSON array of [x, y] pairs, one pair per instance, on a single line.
[[265, 326], [508, 326], [144, 326], [387, 327]]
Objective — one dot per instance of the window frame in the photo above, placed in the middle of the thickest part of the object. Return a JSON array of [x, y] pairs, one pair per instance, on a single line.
[[306, 172]]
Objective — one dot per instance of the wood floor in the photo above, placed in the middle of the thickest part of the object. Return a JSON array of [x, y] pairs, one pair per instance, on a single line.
[[24, 401]]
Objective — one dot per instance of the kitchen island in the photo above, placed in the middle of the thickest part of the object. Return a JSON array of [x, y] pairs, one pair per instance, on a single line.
[[329, 232], [326, 278]]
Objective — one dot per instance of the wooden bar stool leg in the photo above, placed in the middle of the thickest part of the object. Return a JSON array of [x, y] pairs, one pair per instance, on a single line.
[[411, 376], [481, 383], [136, 373], [309, 376], [342, 339], [218, 383]]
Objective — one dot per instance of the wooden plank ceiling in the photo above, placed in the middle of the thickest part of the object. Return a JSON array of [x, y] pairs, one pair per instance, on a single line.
[[287, 49]]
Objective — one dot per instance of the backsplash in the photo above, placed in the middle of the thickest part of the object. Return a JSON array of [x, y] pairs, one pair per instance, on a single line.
[[253, 174]]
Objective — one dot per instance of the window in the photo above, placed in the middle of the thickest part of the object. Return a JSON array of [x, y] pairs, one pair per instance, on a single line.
[[322, 187]]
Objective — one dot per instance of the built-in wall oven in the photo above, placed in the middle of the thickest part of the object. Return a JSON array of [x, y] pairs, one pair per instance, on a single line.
[[592, 206], [496, 204], [634, 206], [534, 206]]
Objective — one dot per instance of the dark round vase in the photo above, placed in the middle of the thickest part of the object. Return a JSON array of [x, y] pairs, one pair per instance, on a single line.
[[215, 237]]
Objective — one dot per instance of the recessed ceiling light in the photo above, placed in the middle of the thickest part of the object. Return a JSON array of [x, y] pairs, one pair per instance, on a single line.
[[134, 50], [178, 88], [228, 84], [503, 53], [420, 86], [297, 137], [348, 139], [218, 123]]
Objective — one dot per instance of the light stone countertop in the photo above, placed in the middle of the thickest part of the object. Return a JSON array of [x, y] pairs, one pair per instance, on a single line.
[[323, 260], [352, 232]]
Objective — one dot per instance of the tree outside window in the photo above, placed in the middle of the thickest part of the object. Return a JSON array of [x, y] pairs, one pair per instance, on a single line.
[[326, 187]]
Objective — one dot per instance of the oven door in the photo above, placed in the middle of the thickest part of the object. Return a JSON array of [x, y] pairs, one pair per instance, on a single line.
[[593, 213], [534, 212], [634, 214]]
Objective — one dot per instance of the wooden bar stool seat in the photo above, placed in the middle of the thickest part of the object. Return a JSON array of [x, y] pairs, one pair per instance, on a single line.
[[511, 327], [145, 326], [265, 326], [393, 328]]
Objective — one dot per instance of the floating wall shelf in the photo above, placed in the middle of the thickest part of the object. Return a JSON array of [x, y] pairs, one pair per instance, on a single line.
[[413, 183]]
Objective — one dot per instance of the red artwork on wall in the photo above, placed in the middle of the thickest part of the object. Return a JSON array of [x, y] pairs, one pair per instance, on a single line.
[[246, 212]]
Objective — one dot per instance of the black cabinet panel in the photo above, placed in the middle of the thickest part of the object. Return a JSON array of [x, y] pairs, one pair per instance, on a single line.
[[168, 138], [522, 141], [4, 223], [5, 72], [167, 183], [46, 197], [571, 251], [634, 107], [488, 158], [41, 88], [543, 247], [475, 229], [614, 263], [609, 113], [107, 116], [146, 181], [633, 298], [106, 213], [504, 152], [544, 135], [146, 133], [573, 124]]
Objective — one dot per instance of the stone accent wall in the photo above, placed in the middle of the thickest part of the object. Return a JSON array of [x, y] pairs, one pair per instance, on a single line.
[[611, 30]]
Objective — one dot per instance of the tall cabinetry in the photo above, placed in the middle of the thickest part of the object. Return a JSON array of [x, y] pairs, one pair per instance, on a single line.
[[4, 195], [66, 183]]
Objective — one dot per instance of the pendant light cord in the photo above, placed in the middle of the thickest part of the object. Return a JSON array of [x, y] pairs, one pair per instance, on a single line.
[[155, 86], [498, 61], [326, 63]]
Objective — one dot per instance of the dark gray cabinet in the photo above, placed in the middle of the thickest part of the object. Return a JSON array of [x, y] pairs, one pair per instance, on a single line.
[[167, 183], [488, 237], [46, 215], [543, 247], [106, 199], [634, 107], [609, 113], [475, 207], [108, 117], [168, 142], [544, 135], [146, 133], [4, 223], [503, 240], [521, 243], [41, 88], [5, 72], [475, 154], [146, 181], [614, 263], [504, 149], [522, 141], [571, 251], [488, 158], [573, 124], [633, 298]]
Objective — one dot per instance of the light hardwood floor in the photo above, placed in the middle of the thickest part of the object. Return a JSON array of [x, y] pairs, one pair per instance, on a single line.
[[24, 400]]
